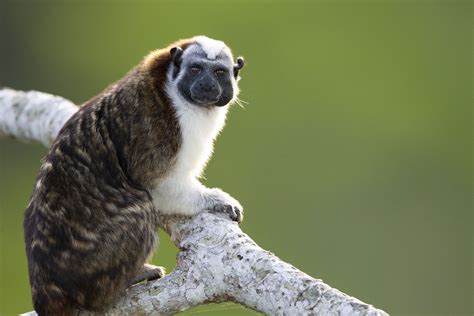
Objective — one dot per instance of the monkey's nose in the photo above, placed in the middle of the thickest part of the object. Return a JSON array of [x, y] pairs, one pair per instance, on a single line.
[[208, 87], [206, 92]]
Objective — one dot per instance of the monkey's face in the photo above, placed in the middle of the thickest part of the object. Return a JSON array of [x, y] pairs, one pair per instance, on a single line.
[[205, 76]]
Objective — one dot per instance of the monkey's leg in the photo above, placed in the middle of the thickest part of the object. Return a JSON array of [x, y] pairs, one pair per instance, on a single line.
[[149, 272]]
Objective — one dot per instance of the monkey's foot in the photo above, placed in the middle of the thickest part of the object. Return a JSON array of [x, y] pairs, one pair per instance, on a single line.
[[223, 202], [149, 272]]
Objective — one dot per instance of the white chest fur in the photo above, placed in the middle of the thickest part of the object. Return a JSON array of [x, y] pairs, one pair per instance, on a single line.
[[199, 127]]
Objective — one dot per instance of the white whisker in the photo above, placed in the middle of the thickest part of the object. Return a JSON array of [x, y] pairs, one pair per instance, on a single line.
[[239, 102]]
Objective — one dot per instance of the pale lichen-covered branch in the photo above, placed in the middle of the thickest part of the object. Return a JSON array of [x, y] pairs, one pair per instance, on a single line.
[[217, 261], [33, 116]]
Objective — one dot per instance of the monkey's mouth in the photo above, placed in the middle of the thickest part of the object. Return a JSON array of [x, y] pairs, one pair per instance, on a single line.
[[205, 100]]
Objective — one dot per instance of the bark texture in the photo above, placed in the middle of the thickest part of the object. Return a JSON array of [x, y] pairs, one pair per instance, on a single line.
[[217, 261]]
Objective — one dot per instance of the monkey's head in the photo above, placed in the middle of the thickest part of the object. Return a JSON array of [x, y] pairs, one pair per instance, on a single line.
[[201, 71]]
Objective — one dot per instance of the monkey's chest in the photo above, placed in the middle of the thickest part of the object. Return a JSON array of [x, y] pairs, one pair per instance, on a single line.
[[198, 127]]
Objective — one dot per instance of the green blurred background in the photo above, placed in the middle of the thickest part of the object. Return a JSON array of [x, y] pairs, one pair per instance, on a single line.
[[352, 157]]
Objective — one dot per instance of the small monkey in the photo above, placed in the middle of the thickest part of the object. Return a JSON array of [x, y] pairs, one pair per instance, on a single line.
[[129, 154]]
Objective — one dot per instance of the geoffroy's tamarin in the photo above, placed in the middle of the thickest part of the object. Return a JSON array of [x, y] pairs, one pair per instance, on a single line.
[[129, 154]]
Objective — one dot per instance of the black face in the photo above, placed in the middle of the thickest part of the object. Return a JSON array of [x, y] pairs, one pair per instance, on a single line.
[[205, 82]]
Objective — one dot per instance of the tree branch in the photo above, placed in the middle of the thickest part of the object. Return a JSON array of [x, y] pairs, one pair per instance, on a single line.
[[217, 261]]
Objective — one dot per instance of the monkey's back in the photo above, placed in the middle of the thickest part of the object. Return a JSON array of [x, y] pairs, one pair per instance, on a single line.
[[88, 227]]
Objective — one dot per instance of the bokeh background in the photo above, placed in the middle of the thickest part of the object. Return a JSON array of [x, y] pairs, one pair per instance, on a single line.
[[352, 157]]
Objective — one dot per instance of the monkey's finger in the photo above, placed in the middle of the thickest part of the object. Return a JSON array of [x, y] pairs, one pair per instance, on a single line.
[[239, 214]]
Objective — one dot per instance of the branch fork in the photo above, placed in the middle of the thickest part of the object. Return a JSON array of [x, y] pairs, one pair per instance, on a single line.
[[217, 261]]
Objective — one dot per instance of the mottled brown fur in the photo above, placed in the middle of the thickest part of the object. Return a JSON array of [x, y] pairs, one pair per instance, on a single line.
[[91, 224]]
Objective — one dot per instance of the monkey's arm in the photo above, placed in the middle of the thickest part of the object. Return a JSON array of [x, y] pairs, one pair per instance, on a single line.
[[217, 262], [188, 196]]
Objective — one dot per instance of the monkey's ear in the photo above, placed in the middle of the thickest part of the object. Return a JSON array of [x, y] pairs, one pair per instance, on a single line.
[[239, 65], [176, 53]]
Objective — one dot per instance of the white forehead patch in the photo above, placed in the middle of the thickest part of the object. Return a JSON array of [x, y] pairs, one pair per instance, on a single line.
[[210, 46]]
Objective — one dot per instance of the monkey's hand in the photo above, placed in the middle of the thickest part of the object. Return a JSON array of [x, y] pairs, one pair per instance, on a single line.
[[220, 201]]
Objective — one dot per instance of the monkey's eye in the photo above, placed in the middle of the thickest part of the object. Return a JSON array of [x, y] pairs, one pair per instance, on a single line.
[[220, 71], [195, 69]]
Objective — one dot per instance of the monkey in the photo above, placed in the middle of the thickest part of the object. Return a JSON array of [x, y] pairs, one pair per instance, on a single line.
[[130, 154]]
